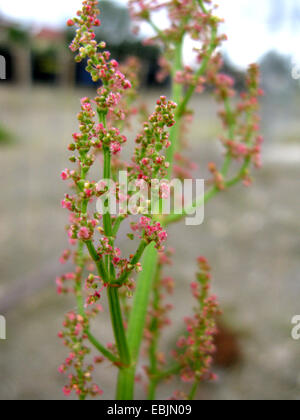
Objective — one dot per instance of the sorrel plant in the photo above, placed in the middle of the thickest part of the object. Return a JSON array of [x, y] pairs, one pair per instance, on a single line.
[[137, 308]]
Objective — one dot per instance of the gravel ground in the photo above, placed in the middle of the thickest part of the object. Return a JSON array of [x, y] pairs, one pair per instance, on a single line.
[[251, 237]]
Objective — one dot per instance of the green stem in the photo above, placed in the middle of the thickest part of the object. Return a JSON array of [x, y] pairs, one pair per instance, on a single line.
[[231, 132], [125, 386], [177, 90], [133, 262], [158, 31], [173, 370], [125, 389], [154, 330], [198, 203], [117, 225], [78, 287], [107, 224], [112, 292], [193, 391], [101, 270], [79, 299], [98, 261], [240, 174], [158, 377], [152, 389], [201, 71], [141, 300], [115, 313], [202, 6], [106, 273], [118, 326], [106, 353]]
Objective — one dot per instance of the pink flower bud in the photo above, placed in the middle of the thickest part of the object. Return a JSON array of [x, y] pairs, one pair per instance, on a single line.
[[114, 63], [115, 148], [67, 391], [84, 233], [64, 175]]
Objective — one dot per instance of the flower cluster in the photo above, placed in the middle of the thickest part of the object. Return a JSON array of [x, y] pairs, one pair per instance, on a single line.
[[244, 142], [86, 19], [241, 141], [110, 137], [75, 327], [122, 266], [62, 283], [94, 286], [149, 161], [141, 9], [187, 77], [241, 123], [131, 68], [74, 338], [150, 231], [183, 15], [195, 349], [218, 178], [92, 136], [99, 63], [81, 225], [186, 19]]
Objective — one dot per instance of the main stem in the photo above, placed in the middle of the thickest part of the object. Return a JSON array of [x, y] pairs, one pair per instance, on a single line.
[[177, 90], [154, 329], [125, 389], [112, 292], [118, 326]]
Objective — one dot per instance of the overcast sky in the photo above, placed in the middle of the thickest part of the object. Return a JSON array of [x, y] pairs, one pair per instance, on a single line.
[[253, 26]]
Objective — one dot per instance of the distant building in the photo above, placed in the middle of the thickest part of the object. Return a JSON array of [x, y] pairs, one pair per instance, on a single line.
[[43, 56], [15, 47], [51, 60]]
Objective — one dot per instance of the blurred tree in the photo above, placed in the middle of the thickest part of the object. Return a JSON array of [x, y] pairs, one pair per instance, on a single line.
[[18, 35], [276, 75], [115, 26]]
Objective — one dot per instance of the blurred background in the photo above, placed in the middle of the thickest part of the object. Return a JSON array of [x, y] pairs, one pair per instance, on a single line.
[[250, 236]]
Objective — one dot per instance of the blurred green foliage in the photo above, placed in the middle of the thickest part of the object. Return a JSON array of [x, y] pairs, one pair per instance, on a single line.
[[18, 35], [5, 136]]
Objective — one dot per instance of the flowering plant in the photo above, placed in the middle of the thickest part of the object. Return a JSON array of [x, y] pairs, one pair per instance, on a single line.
[[99, 263]]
